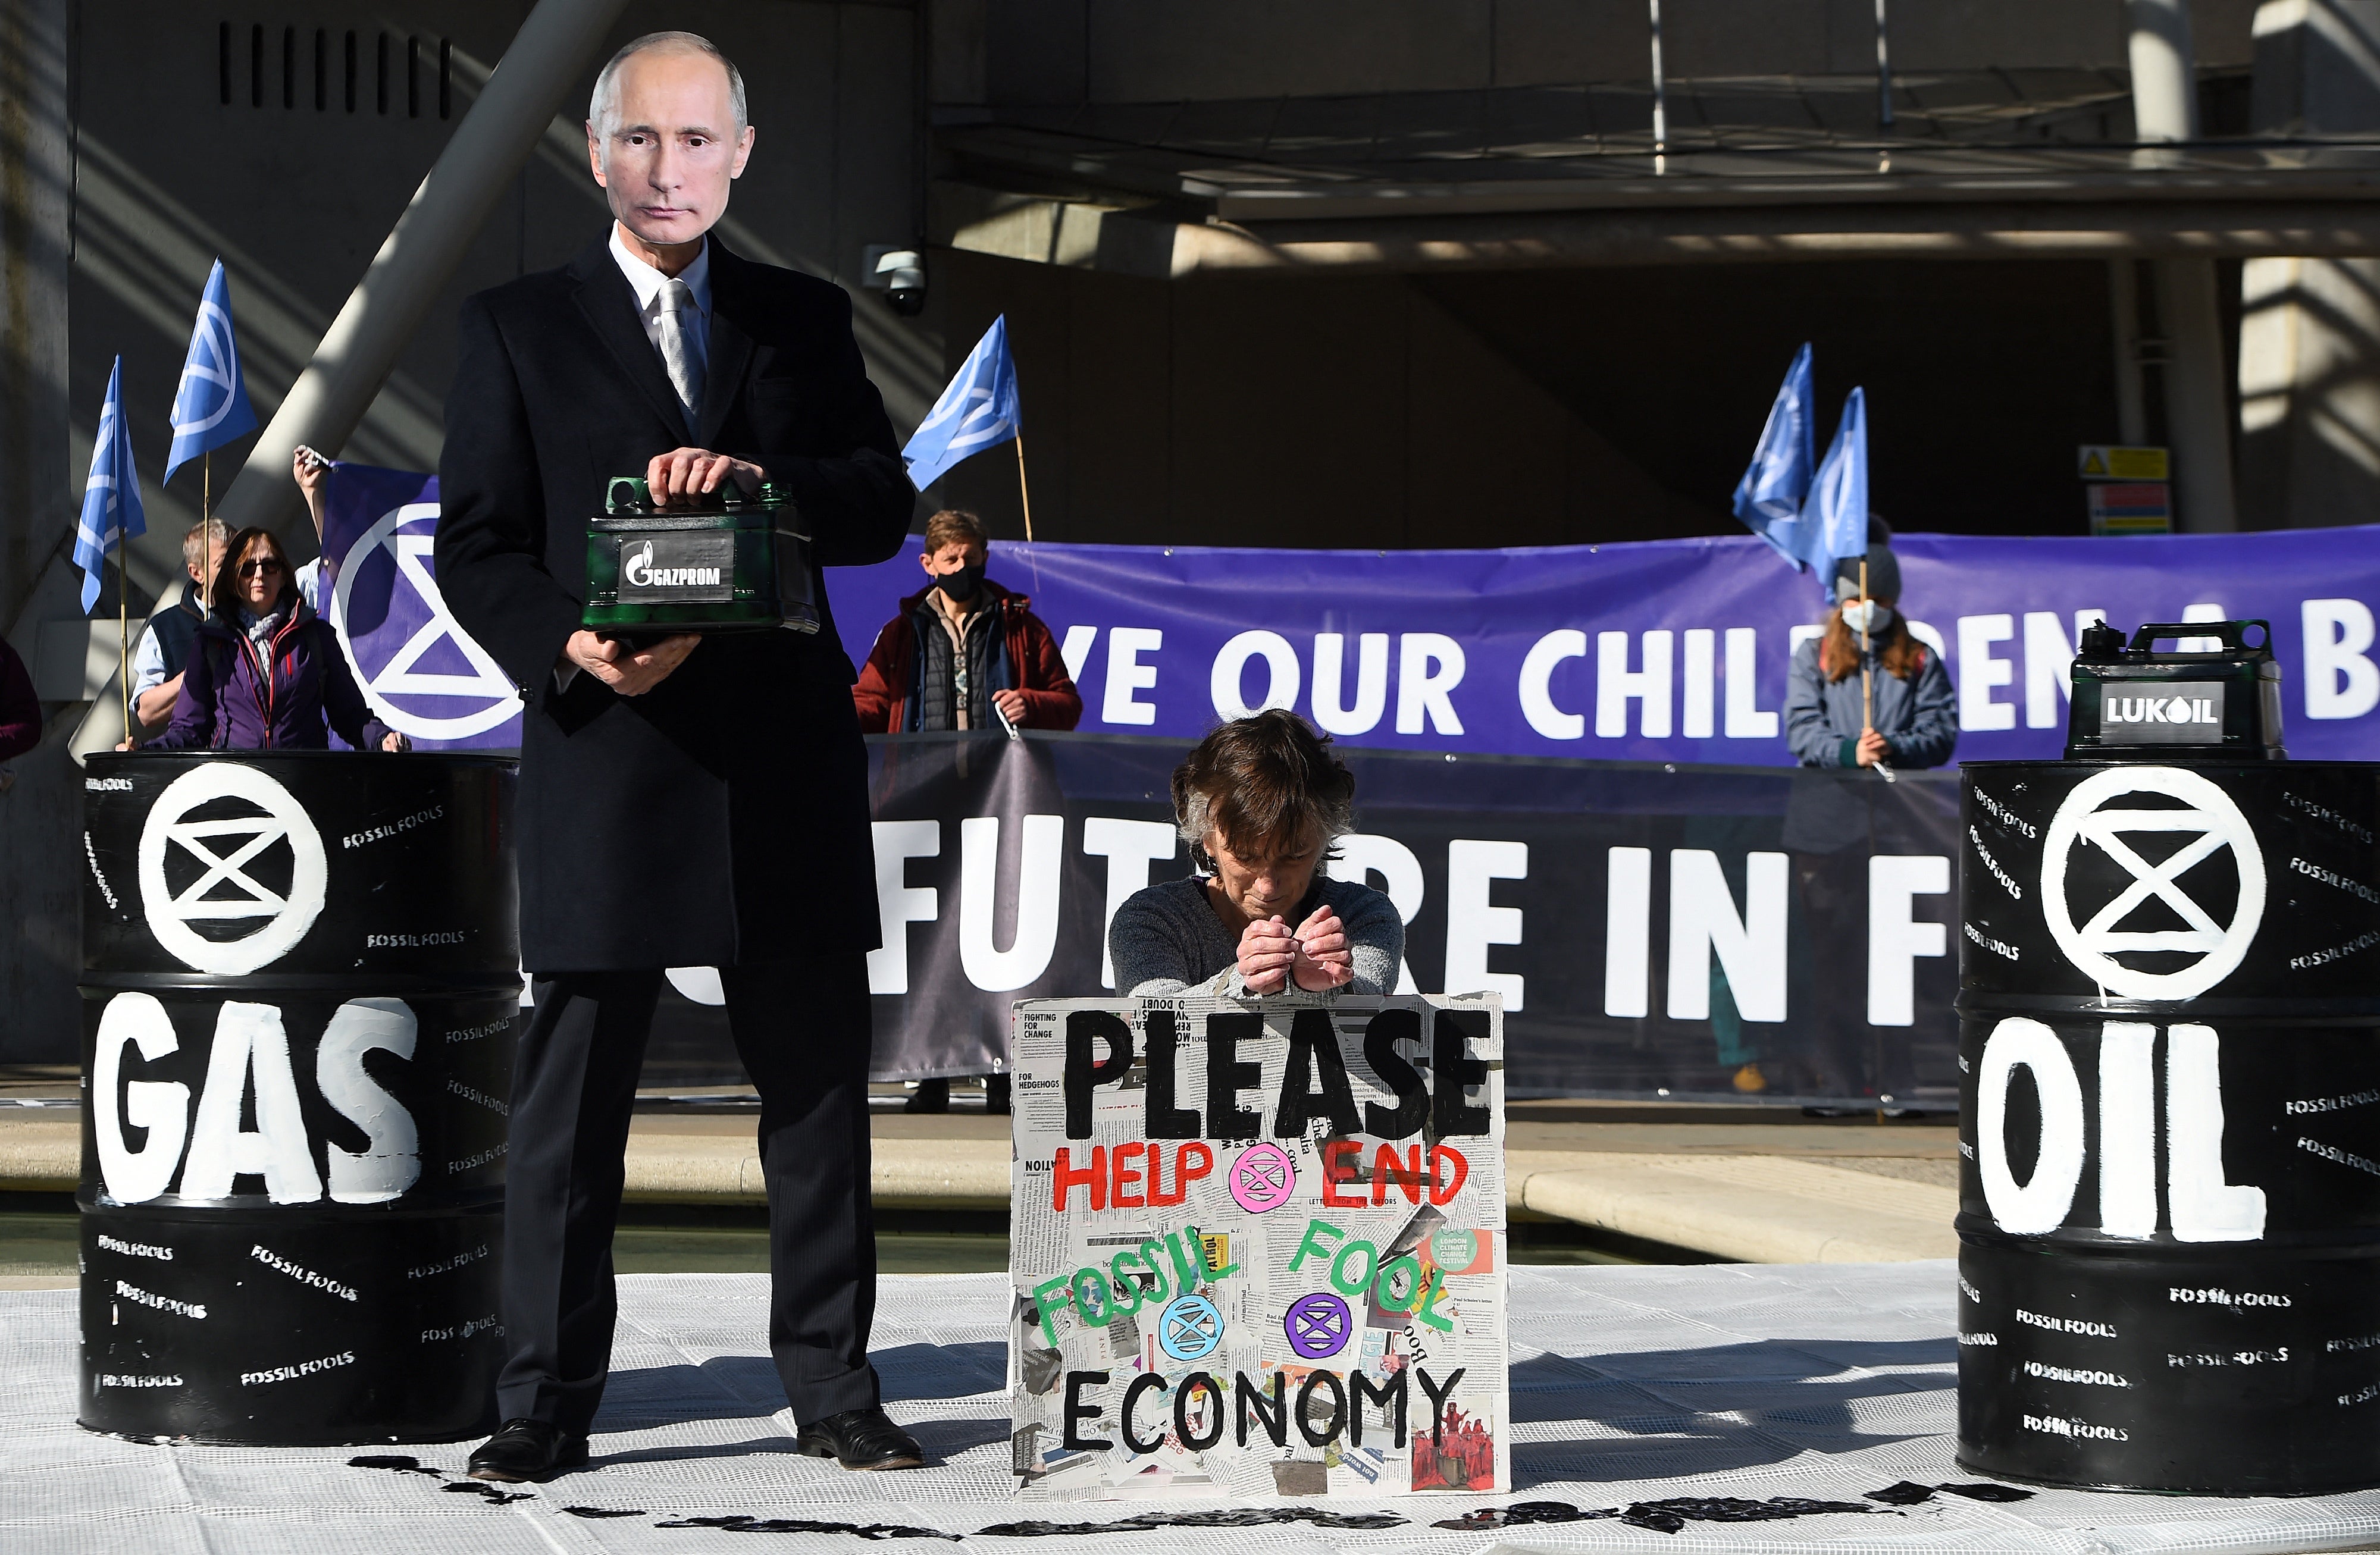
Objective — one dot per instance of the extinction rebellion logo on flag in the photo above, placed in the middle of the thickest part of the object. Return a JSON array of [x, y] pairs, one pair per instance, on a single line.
[[419, 670]]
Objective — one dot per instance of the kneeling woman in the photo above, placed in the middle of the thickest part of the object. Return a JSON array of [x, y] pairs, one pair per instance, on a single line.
[[1260, 803], [265, 672]]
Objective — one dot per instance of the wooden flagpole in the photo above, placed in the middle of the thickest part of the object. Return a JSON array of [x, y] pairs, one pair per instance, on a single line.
[[1867, 689], [1023, 491], [124, 640]]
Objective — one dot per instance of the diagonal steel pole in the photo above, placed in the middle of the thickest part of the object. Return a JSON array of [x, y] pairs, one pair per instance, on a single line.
[[420, 254]]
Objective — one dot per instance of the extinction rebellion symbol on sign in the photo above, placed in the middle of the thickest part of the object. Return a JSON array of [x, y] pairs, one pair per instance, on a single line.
[[222, 866], [2207, 823], [420, 671]]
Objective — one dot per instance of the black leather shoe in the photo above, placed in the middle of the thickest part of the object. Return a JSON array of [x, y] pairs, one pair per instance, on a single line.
[[860, 1439], [531, 1450]]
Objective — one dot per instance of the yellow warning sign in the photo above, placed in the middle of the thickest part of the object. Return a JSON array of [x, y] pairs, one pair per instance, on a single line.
[[2102, 461]]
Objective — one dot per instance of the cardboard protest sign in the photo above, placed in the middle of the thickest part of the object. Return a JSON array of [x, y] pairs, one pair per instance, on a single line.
[[1258, 1248]]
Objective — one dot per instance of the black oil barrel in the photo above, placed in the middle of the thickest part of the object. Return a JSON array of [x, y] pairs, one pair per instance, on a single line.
[[300, 979], [2170, 1183]]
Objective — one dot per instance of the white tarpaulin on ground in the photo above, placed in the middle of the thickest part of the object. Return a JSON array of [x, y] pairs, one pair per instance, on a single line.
[[1629, 1387]]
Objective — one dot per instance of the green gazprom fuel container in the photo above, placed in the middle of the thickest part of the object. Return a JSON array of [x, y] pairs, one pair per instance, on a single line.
[[735, 563], [2134, 704]]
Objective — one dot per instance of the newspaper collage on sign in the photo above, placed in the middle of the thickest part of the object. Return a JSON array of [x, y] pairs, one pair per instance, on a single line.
[[1258, 1248]]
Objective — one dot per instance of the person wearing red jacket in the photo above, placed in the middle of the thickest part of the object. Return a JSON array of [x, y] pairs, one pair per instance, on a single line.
[[964, 652]]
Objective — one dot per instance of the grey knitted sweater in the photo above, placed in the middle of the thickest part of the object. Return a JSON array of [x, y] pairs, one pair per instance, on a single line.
[[1168, 940]]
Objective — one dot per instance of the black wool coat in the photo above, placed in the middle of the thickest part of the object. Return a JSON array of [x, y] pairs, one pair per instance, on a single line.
[[721, 818]]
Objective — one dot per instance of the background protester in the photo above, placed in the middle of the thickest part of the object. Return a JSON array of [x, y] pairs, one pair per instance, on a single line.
[[1910, 718], [658, 350], [1260, 803], [962, 646], [165, 645], [264, 672]]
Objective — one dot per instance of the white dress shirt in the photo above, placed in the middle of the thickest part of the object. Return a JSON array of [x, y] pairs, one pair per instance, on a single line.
[[647, 283]]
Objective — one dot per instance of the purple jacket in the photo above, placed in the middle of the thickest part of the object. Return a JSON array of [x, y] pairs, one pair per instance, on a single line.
[[229, 703]]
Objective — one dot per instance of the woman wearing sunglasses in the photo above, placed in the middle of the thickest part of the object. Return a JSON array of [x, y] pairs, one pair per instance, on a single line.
[[265, 672]]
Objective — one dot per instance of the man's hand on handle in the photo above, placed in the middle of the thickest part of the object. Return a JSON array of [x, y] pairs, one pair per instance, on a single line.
[[684, 474], [631, 672]]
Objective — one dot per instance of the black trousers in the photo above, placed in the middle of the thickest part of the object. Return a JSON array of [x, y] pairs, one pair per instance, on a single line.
[[802, 1031]]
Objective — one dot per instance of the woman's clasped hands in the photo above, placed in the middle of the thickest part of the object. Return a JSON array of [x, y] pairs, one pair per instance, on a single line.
[[1314, 955]]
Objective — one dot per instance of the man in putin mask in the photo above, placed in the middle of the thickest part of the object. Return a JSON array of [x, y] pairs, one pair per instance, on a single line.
[[661, 824]]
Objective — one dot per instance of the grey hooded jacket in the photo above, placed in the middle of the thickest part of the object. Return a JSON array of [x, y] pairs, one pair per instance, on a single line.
[[1917, 717]]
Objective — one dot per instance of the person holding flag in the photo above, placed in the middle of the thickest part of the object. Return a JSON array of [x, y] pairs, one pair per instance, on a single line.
[[211, 409], [1901, 712], [1907, 717], [111, 514], [1814, 514]]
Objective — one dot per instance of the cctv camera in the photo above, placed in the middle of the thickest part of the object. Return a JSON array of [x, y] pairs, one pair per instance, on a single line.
[[900, 274]]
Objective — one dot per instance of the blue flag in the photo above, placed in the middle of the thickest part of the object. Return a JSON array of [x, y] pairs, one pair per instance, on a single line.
[[211, 404], [979, 410], [1834, 519], [111, 498], [1778, 476]]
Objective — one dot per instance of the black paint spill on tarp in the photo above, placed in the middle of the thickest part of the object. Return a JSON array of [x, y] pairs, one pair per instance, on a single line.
[[487, 1494], [1986, 1491], [1902, 1494], [1241, 1517], [1667, 1516], [1908, 1494], [394, 1461], [745, 1523]]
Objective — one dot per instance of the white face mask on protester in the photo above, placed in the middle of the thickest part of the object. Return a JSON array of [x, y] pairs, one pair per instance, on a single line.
[[1868, 616]]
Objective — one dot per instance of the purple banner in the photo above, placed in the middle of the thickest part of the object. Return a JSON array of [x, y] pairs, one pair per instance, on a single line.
[[422, 674], [1663, 651]]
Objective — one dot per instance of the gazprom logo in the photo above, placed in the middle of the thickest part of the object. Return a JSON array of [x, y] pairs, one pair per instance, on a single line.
[[639, 571]]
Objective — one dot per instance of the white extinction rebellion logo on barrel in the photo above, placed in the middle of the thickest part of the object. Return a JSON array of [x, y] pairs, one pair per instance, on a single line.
[[2153, 897], [214, 851]]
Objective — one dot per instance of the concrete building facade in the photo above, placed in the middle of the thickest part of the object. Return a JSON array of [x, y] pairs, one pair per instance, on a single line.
[[1396, 272]]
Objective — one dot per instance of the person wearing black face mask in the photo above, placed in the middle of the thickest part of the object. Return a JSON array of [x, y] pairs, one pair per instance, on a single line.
[[964, 653]]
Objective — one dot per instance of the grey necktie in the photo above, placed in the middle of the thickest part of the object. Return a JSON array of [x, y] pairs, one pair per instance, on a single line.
[[679, 323]]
